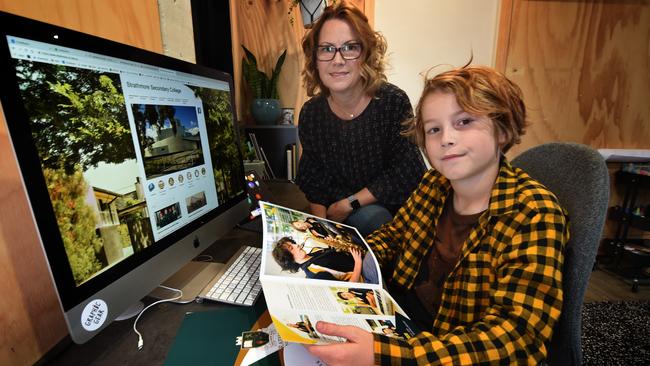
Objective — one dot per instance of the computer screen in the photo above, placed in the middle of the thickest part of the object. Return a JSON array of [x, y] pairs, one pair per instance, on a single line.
[[130, 161]]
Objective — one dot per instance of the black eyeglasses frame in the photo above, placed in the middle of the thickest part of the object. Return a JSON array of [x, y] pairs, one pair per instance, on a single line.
[[338, 49]]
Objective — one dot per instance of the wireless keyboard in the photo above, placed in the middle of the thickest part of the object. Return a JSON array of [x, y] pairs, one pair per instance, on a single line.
[[240, 283]]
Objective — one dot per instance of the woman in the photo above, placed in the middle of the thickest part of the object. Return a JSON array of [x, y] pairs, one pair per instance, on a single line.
[[355, 166], [314, 227], [362, 296]]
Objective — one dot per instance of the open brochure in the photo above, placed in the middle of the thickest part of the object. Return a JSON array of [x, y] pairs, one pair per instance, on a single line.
[[314, 269]]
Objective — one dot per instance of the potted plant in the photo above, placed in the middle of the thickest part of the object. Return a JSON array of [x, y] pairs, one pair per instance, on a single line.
[[265, 106]]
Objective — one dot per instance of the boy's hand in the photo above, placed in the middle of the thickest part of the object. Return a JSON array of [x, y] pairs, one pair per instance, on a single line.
[[356, 351]]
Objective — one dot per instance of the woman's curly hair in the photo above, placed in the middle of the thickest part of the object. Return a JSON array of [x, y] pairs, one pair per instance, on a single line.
[[372, 56]]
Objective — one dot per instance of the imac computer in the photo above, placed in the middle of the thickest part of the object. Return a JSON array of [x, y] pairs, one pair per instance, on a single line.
[[130, 160]]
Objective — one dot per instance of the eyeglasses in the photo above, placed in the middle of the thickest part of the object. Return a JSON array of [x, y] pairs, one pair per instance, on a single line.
[[349, 51]]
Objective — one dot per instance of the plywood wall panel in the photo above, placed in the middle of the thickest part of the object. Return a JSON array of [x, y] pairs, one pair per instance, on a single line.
[[31, 318], [132, 22], [584, 69]]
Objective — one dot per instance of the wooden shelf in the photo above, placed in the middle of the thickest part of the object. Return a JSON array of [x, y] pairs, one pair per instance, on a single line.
[[274, 139]]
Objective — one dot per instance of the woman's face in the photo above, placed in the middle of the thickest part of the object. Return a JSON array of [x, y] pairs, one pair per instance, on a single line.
[[339, 75], [301, 225], [347, 295]]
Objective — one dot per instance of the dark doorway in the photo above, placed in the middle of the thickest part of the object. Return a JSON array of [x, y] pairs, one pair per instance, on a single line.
[[212, 39]]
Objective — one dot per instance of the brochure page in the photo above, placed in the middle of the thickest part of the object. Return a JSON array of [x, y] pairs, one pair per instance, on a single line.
[[315, 269]]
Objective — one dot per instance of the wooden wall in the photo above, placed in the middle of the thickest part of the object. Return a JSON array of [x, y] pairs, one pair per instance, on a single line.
[[584, 69], [31, 322], [264, 28]]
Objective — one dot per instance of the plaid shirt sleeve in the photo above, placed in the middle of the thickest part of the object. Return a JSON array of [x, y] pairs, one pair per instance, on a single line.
[[409, 223], [502, 300]]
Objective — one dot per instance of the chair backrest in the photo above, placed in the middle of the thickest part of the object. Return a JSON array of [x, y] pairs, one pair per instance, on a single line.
[[578, 176]]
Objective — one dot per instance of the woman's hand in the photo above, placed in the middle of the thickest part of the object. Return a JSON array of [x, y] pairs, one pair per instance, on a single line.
[[357, 351], [370, 298], [358, 264], [339, 210]]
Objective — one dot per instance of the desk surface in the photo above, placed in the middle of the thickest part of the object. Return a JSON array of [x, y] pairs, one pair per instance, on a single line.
[[118, 343]]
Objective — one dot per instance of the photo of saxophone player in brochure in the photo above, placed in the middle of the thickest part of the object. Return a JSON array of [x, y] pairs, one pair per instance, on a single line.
[[315, 269]]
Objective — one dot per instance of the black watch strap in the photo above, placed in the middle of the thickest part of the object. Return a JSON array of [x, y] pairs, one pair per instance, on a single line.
[[354, 202]]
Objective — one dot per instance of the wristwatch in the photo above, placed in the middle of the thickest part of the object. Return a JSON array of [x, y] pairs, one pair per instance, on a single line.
[[354, 202]]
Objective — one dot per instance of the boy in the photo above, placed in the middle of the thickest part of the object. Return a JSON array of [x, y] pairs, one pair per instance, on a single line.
[[475, 255]]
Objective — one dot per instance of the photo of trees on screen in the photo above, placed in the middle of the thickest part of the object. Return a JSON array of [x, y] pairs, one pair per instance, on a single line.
[[80, 127], [226, 161]]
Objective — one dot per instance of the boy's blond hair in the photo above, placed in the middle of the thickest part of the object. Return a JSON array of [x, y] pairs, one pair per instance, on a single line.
[[481, 91]]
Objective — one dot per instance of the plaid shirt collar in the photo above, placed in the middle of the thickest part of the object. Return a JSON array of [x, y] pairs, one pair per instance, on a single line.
[[502, 198]]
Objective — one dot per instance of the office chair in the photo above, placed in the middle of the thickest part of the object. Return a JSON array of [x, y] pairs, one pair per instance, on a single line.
[[578, 176]]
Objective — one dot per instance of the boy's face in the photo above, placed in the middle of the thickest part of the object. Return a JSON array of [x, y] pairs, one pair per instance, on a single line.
[[461, 146], [296, 250]]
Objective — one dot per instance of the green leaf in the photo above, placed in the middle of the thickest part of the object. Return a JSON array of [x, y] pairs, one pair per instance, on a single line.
[[276, 75], [261, 85], [250, 56], [252, 74]]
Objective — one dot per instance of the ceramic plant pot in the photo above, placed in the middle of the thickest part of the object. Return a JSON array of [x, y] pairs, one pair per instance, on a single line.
[[266, 111]]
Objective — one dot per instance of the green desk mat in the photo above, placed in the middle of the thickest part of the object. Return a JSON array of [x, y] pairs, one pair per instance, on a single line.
[[208, 337]]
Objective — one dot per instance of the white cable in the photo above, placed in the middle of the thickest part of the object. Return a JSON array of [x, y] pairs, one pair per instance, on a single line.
[[140, 340]]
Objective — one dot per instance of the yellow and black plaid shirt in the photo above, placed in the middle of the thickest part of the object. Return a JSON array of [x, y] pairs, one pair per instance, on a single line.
[[501, 301]]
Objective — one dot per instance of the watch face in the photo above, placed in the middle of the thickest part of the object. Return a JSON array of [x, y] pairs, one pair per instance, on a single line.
[[354, 202]]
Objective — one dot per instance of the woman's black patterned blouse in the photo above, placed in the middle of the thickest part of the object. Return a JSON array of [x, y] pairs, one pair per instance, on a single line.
[[340, 157]]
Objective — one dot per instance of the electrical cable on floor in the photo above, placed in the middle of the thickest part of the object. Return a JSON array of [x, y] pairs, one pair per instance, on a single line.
[[140, 340]]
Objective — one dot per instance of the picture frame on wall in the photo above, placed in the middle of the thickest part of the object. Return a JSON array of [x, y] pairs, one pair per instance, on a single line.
[[287, 116]]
